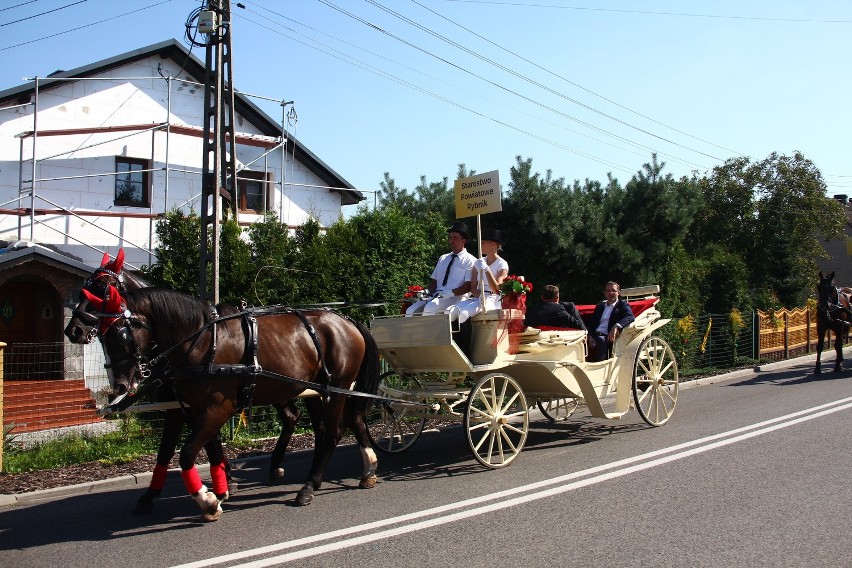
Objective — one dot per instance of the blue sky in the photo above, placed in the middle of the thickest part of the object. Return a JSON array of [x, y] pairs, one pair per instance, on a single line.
[[583, 87]]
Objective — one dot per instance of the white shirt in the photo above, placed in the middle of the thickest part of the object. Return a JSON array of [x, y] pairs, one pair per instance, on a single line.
[[603, 327], [495, 267], [460, 271]]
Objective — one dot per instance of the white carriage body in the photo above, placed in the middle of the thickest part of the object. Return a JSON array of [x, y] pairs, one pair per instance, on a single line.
[[546, 365]]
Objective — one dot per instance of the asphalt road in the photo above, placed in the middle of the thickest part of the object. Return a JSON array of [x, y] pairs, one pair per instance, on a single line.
[[752, 470]]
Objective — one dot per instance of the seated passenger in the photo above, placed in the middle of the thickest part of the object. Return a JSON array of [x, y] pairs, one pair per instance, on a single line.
[[608, 319], [554, 313], [488, 273], [450, 280]]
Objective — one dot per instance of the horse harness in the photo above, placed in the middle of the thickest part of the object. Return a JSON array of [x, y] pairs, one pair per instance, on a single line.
[[838, 302], [249, 366]]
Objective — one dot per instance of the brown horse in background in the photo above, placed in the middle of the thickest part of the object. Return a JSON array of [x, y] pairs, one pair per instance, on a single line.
[[833, 314]]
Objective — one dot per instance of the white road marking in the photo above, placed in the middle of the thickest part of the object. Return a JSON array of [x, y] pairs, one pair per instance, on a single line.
[[574, 481]]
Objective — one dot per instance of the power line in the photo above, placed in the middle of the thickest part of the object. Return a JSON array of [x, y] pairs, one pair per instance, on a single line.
[[534, 64], [345, 57], [653, 13], [441, 98], [17, 5], [531, 81], [84, 26], [43, 13], [499, 86]]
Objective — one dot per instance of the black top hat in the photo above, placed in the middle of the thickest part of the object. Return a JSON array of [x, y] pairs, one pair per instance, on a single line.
[[459, 227], [495, 235]]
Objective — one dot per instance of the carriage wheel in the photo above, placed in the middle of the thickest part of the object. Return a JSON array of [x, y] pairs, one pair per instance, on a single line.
[[655, 381], [558, 409], [390, 427], [496, 420]]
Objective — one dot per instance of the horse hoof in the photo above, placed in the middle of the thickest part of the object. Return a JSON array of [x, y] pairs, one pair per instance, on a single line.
[[276, 476], [304, 497], [143, 508], [368, 482], [222, 497], [210, 517], [233, 487]]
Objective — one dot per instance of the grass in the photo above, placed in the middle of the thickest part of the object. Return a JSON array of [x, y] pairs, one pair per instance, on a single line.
[[131, 441], [134, 438]]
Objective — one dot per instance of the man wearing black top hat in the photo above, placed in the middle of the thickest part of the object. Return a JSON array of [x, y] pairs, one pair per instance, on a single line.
[[450, 281]]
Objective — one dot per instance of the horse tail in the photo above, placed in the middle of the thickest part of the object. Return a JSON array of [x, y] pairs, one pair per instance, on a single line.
[[368, 374]]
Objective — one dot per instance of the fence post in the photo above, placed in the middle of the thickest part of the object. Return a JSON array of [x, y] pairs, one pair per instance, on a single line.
[[808, 330], [755, 344], [2, 429], [786, 335]]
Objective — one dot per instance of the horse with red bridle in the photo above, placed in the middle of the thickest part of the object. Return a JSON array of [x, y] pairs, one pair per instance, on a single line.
[[224, 359], [83, 328]]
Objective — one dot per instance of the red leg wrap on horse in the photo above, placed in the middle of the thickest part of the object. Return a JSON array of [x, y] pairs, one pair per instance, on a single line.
[[158, 480], [218, 477], [191, 480]]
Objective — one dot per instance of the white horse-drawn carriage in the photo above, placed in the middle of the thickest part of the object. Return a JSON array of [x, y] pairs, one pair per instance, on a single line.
[[491, 386]]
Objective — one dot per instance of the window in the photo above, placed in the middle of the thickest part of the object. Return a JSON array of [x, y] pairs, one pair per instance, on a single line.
[[132, 182], [255, 195]]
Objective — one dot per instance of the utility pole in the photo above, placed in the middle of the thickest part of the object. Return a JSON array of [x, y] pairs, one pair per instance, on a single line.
[[219, 179]]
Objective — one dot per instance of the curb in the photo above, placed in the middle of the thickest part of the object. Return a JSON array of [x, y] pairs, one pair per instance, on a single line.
[[204, 469]]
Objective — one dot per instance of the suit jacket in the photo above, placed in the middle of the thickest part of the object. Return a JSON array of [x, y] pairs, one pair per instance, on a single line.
[[621, 314], [556, 314]]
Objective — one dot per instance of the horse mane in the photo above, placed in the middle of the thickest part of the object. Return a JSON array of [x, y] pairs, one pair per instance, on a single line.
[[174, 314], [134, 281]]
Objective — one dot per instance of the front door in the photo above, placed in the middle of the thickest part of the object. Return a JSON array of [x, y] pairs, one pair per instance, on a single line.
[[31, 326]]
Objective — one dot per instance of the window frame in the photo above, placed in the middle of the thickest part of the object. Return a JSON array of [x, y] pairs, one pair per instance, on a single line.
[[145, 202], [266, 180]]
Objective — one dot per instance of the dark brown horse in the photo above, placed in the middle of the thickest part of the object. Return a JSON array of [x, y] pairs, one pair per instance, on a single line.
[[83, 328], [223, 361], [833, 314]]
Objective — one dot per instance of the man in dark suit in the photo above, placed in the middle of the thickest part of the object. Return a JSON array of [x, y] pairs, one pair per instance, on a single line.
[[608, 319], [554, 313]]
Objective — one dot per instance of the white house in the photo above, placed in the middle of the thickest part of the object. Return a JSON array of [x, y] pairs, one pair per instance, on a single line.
[[90, 157]]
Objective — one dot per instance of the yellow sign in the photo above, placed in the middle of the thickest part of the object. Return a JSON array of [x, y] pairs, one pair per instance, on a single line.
[[849, 246], [478, 194]]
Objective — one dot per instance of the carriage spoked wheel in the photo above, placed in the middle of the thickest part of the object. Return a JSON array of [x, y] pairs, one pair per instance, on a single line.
[[558, 409], [496, 420], [390, 426], [655, 381]]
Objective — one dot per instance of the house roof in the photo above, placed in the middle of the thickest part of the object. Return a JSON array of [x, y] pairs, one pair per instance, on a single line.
[[25, 251], [173, 49]]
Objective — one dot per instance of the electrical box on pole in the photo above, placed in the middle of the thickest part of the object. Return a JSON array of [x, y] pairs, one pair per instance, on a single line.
[[219, 180]]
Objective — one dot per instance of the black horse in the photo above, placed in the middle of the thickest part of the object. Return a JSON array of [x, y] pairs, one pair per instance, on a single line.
[[226, 359], [833, 314]]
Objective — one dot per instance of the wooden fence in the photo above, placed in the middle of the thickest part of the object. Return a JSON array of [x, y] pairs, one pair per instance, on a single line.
[[785, 333]]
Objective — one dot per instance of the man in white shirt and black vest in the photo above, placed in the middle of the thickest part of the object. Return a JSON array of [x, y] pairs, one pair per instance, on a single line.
[[450, 281]]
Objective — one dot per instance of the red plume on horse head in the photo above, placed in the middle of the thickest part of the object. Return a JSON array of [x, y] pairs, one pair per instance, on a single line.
[[111, 306], [115, 265]]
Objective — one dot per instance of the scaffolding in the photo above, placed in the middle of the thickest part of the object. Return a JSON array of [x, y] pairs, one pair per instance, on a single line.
[[28, 193]]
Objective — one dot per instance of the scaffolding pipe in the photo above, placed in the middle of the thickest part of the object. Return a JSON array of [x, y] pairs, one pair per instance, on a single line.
[[158, 127], [35, 137], [20, 186]]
